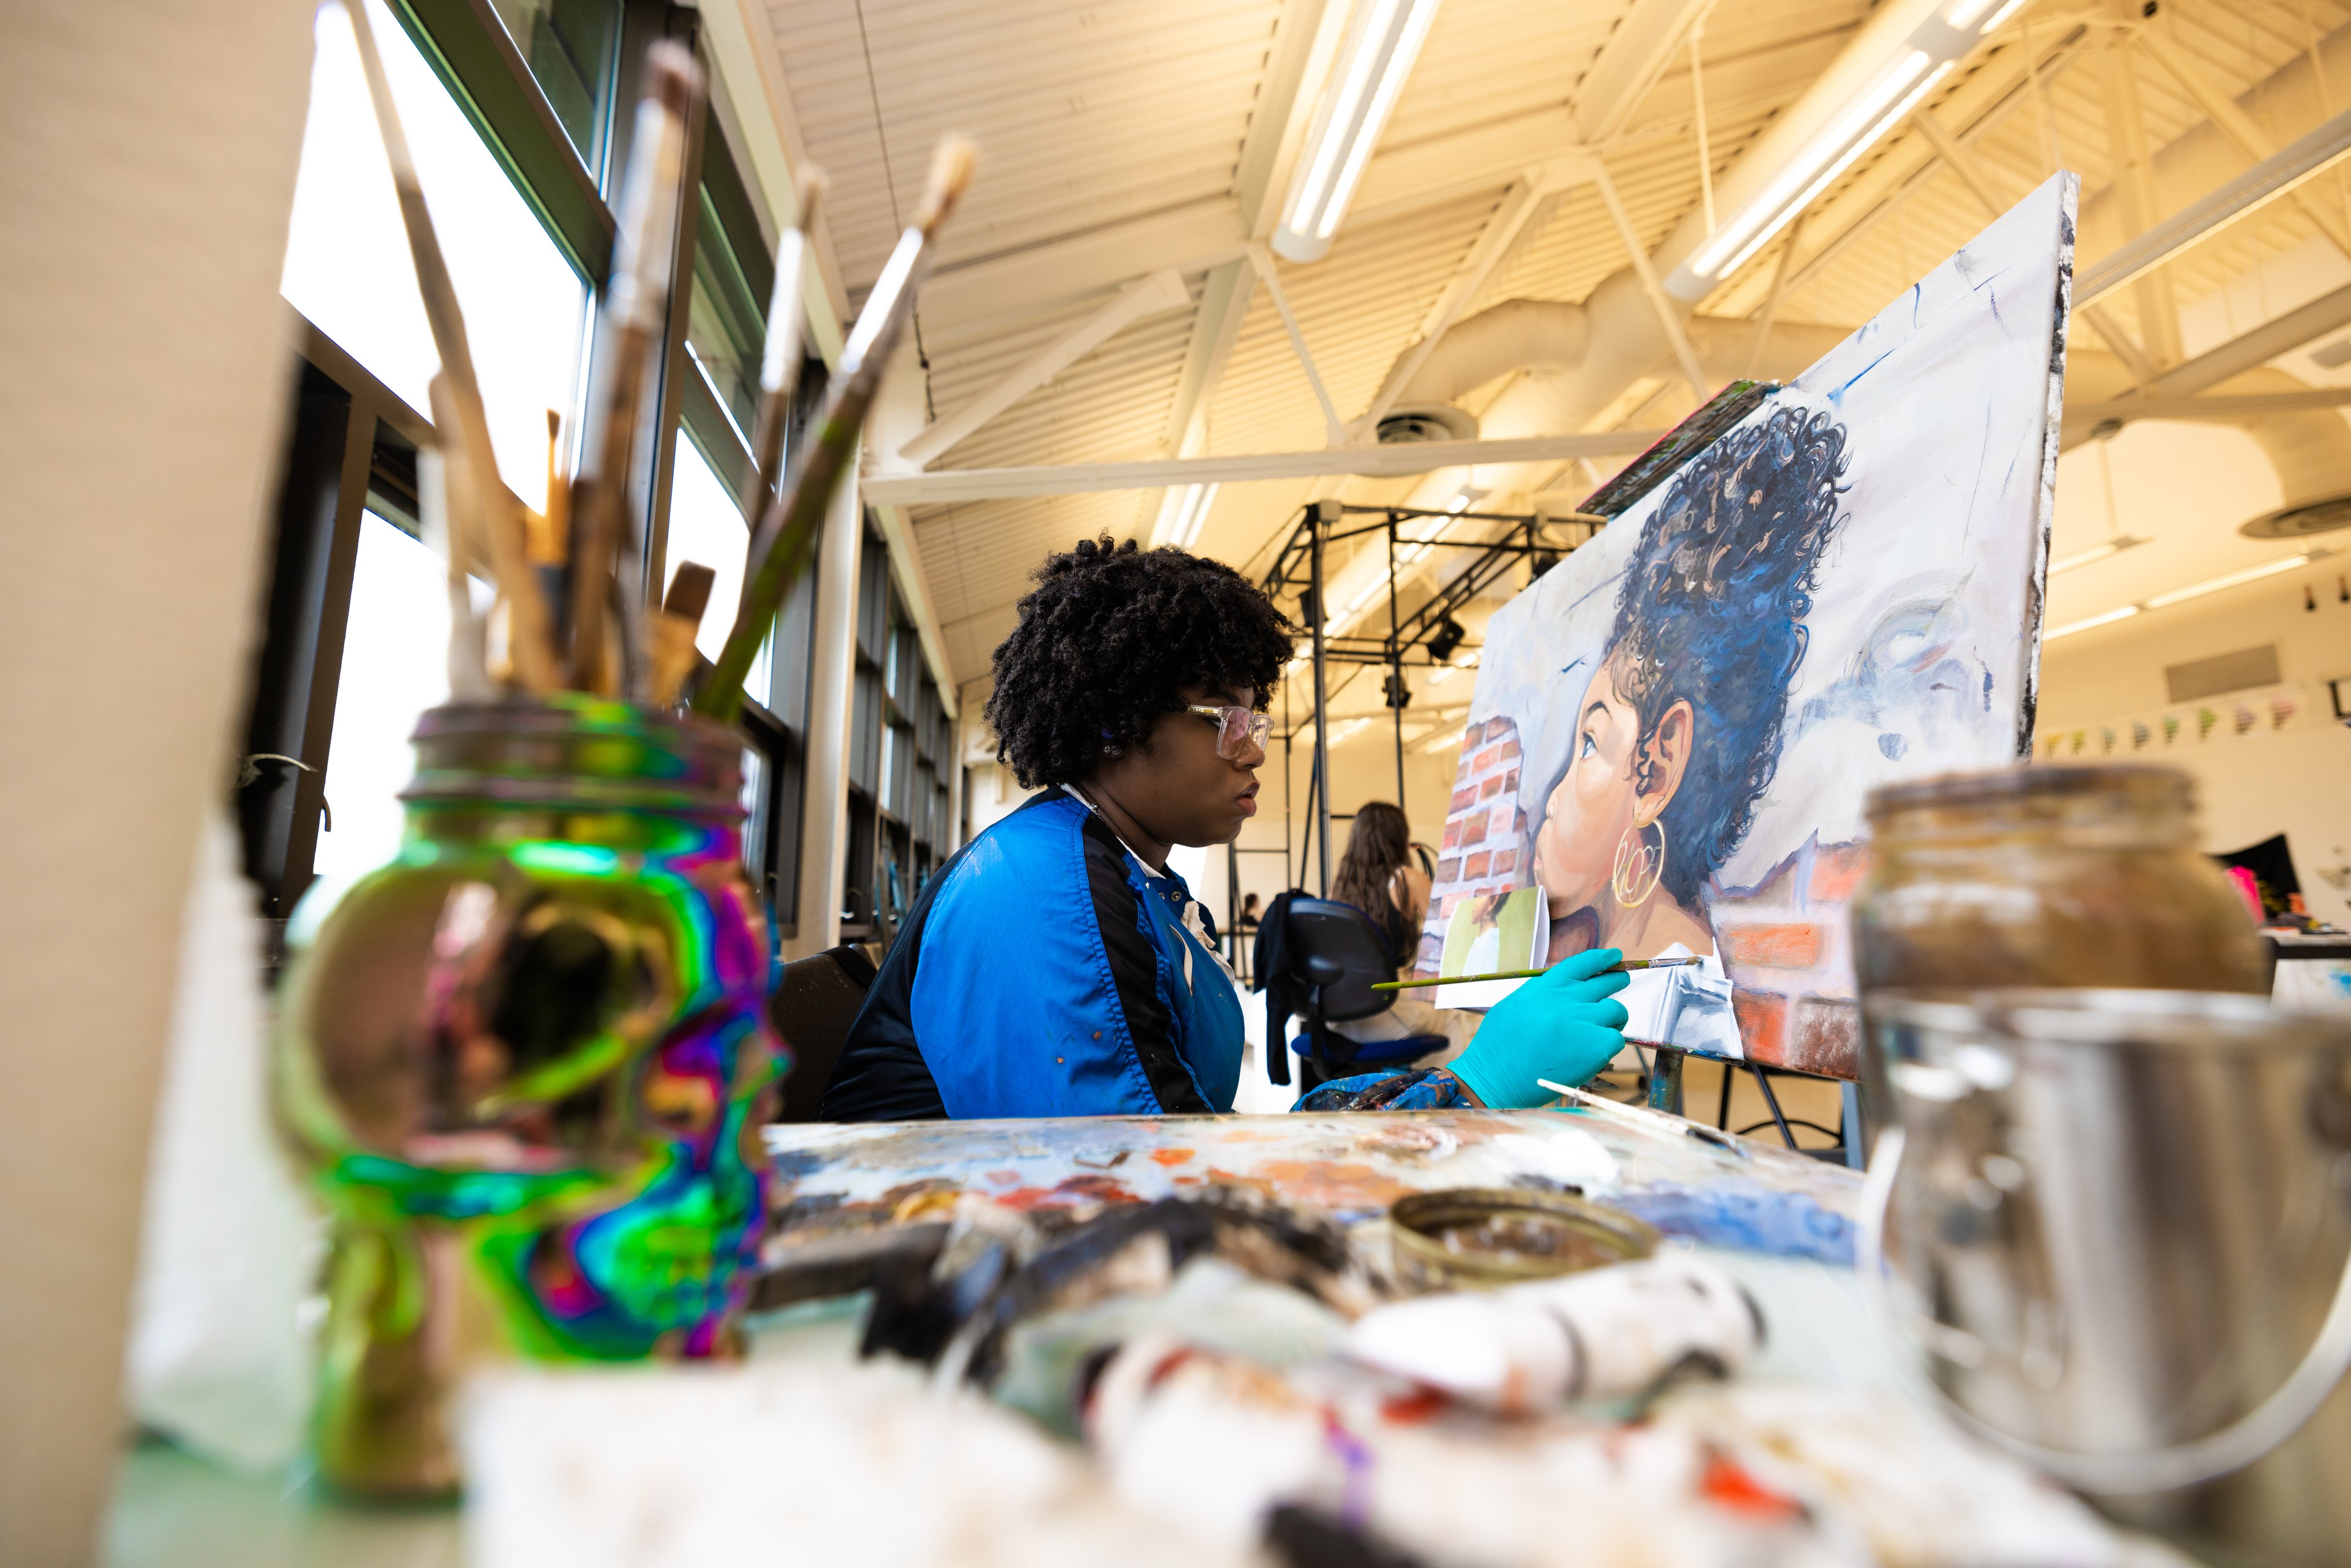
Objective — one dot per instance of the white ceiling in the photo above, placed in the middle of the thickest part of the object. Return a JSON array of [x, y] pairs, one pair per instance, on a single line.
[[1119, 137]]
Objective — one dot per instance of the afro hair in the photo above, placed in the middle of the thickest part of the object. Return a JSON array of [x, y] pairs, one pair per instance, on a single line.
[[1112, 637], [1712, 612]]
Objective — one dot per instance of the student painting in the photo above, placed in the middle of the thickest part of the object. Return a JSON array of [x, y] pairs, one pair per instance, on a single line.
[[1378, 876], [1055, 966]]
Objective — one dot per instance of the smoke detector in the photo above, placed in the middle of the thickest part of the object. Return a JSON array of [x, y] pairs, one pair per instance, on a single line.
[[1426, 422], [2300, 519]]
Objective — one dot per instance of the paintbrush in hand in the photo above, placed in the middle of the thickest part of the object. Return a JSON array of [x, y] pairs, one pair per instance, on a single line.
[[643, 261], [1627, 964], [798, 516], [480, 515], [779, 365], [674, 626]]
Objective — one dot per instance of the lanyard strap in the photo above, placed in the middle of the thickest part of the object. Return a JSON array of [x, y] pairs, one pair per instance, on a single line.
[[1190, 918]]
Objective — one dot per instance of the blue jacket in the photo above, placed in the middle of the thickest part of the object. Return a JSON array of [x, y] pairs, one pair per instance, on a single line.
[[1043, 972]]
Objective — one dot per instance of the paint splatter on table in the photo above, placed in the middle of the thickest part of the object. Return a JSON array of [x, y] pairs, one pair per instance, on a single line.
[[833, 1178]]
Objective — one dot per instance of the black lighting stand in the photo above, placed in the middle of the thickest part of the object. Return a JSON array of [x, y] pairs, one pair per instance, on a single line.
[[1424, 639]]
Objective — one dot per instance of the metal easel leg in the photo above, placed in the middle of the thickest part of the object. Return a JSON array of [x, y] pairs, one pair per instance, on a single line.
[[1764, 1082]]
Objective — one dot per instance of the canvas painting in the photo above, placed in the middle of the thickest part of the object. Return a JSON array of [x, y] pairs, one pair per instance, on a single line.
[[1674, 729]]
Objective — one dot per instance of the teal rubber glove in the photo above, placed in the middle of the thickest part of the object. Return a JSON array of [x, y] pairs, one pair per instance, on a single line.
[[1560, 1025]]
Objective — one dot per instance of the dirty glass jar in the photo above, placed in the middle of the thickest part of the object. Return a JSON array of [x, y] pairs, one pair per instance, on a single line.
[[2048, 876], [524, 1067]]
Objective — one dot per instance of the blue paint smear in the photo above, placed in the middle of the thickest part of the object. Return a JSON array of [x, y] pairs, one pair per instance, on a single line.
[[796, 1165], [1851, 380], [1744, 1219]]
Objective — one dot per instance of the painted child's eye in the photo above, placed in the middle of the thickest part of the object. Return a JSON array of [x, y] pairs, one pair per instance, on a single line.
[[1588, 748]]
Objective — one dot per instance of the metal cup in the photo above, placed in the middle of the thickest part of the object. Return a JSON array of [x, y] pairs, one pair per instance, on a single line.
[[2110, 1233]]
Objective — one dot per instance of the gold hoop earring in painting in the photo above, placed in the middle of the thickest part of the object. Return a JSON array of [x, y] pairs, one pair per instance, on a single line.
[[1639, 865]]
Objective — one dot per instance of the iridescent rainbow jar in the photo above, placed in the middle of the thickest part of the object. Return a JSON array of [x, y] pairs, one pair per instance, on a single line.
[[525, 1066]]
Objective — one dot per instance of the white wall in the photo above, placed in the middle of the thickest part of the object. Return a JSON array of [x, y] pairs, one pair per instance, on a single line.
[[1362, 767], [147, 162], [2295, 780]]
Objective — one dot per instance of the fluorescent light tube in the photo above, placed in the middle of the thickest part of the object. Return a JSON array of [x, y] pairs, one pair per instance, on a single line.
[[1192, 513], [1764, 214], [2097, 552], [1860, 145], [2109, 618], [2181, 595], [2214, 585], [1997, 18], [1383, 38]]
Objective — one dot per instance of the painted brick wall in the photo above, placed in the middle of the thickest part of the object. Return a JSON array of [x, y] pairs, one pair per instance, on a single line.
[[1785, 943], [1787, 949], [1487, 844]]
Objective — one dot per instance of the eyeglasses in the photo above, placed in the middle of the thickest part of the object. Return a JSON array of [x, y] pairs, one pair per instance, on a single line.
[[1238, 729]]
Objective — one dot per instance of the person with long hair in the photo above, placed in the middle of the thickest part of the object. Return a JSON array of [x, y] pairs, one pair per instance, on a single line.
[[1378, 876]]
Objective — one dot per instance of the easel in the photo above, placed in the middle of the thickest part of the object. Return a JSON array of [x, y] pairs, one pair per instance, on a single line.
[[1663, 1079]]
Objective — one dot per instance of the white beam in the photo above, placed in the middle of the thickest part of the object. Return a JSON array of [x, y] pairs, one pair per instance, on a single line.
[[1496, 240], [1306, 39], [2227, 409], [1209, 233], [1224, 306], [742, 49], [1959, 160], [1399, 461], [2238, 127], [1629, 64], [1442, 167], [1189, 239], [2132, 167], [1147, 297], [2255, 188], [1668, 317], [1333, 427]]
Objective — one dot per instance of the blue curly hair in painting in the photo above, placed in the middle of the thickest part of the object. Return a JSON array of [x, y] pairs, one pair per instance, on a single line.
[[1711, 611]]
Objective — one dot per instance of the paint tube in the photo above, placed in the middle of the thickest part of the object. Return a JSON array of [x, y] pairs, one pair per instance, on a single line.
[[1604, 1333], [1224, 1449]]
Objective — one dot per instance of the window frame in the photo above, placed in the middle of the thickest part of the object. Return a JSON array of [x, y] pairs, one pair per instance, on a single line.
[[351, 439]]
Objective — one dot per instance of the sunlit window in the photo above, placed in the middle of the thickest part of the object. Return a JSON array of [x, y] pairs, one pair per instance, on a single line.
[[705, 527], [395, 665], [347, 257]]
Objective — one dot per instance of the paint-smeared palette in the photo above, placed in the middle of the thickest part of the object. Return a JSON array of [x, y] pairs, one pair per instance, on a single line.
[[837, 1178]]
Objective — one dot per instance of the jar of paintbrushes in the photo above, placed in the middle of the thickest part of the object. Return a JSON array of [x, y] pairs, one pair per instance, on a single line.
[[525, 1066]]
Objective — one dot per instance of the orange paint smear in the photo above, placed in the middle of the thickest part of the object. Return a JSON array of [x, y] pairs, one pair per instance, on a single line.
[[1070, 1193], [1330, 1184], [1172, 1157], [1729, 1485]]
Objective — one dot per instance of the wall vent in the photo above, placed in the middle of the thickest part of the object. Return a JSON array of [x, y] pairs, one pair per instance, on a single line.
[[2223, 673]]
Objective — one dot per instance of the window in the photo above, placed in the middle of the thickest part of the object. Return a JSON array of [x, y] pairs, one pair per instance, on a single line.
[[393, 671], [570, 45], [347, 258], [510, 112]]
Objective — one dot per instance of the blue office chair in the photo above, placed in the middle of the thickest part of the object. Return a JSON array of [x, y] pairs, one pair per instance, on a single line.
[[1335, 954]]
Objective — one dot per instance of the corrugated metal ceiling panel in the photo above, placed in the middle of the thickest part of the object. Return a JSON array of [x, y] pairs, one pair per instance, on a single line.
[[1084, 115], [1095, 113]]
